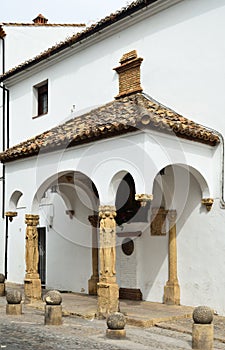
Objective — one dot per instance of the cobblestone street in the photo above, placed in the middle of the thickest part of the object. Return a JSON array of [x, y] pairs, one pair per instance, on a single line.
[[29, 332]]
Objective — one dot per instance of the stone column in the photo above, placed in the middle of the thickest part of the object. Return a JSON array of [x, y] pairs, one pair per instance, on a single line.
[[108, 290], [32, 282], [92, 282], [172, 288]]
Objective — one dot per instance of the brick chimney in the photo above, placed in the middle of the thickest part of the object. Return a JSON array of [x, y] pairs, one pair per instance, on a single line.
[[129, 74], [40, 19]]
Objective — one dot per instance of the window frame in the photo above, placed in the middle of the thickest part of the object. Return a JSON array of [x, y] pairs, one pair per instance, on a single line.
[[40, 91]]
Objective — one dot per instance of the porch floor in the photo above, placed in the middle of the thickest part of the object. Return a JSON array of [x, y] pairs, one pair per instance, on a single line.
[[138, 313]]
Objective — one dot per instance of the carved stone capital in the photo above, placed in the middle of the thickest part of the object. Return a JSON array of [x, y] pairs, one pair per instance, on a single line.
[[11, 215], [106, 211], [172, 216], [94, 220], [143, 198], [31, 220], [208, 202]]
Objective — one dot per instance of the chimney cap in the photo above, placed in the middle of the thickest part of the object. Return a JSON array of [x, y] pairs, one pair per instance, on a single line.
[[40, 19], [129, 74]]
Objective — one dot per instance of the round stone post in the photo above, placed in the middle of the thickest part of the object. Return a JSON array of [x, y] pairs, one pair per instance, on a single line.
[[116, 323], [53, 308], [108, 290], [2, 285], [32, 282], [202, 330], [14, 306], [172, 288]]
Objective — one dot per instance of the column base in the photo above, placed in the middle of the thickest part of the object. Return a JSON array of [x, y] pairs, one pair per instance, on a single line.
[[171, 293], [92, 285], [2, 289], [202, 336], [32, 290], [108, 299]]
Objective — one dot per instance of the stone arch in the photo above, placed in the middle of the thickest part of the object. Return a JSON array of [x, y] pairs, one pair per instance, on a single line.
[[198, 175], [118, 176], [173, 185], [14, 200], [60, 182]]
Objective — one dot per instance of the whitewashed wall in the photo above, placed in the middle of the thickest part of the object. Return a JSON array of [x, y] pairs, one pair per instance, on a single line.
[[25, 42]]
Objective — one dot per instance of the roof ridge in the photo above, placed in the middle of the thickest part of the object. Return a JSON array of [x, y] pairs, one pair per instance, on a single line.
[[22, 24]]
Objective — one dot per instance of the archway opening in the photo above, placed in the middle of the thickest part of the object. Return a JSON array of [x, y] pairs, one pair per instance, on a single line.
[[128, 209]]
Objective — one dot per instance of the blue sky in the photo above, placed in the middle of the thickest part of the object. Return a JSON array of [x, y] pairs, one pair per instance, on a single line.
[[59, 11]]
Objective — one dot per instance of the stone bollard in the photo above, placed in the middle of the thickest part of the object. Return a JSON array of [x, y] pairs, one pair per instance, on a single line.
[[14, 306], [116, 323], [53, 308], [2, 285], [202, 330]]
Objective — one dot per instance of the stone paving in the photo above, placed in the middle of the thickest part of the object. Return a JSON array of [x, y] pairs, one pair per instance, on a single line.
[[28, 331]]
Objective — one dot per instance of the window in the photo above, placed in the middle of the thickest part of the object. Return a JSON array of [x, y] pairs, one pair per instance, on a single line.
[[41, 99]]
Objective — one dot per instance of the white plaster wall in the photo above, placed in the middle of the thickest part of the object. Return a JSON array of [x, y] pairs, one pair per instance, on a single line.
[[152, 265], [201, 254], [68, 246], [16, 247], [25, 42]]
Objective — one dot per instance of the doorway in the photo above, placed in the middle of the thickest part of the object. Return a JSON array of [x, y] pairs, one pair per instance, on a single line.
[[42, 254]]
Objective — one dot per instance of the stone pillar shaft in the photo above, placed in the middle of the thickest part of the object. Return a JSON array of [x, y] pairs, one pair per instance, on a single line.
[[172, 288], [108, 290], [32, 282], [92, 282], [172, 252]]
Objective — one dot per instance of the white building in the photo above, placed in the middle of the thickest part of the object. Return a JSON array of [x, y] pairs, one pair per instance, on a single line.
[[101, 151], [20, 42]]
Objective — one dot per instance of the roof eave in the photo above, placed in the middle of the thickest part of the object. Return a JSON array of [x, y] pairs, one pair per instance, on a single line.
[[105, 27]]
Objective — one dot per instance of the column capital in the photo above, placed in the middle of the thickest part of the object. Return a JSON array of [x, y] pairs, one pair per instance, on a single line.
[[94, 220], [31, 219], [143, 198], [172, 216], [107, 210]]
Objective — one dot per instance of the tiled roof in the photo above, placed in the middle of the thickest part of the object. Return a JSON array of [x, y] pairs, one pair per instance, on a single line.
[[9, 24], [105, 22], [125, 115]]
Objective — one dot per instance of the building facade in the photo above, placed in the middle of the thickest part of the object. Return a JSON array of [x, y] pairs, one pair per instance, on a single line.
[[125, 193]]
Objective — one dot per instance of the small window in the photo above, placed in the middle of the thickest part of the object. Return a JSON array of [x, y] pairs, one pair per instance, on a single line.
[[41, 99]]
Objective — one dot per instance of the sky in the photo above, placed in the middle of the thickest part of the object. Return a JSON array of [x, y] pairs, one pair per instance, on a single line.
[[59, 11]]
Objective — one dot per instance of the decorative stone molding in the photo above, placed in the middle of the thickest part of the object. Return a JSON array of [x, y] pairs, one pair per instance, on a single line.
[[143, 198], [71, 213], [32, 282], [94, 220], [107, 251], [32, 254], [158, 222], [108, 290], [208, 202], [129, 74], [11, 215]]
